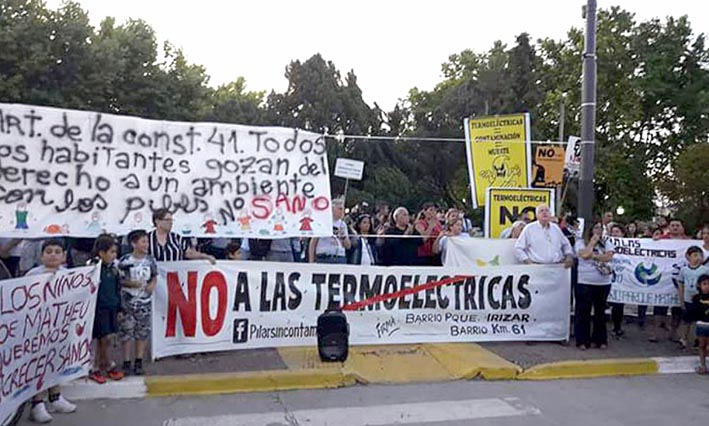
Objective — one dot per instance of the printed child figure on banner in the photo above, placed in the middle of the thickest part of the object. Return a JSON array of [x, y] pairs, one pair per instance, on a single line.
[[21, 216], [137, 221], [95, 225], [306, 221], [278, 220], [209, 224], [245, 221]]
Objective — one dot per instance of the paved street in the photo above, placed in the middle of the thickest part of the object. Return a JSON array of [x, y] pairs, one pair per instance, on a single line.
[[681, 399]]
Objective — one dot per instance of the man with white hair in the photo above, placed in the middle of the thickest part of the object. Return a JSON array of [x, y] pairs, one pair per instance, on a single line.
[[401, 250], [332, 249], [543, 242]]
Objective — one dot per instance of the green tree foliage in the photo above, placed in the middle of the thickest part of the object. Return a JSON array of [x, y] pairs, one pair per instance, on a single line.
[[652, 117], [688, 186]]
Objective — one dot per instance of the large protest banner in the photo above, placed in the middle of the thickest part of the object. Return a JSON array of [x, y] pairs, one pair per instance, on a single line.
[[505, 205], [471, 252], [239, 305], [45, 332], [76, 173], [499, 153], [645, 270]]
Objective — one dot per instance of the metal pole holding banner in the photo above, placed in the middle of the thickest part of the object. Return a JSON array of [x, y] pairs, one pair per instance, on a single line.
[[588, 116], [347, 182]]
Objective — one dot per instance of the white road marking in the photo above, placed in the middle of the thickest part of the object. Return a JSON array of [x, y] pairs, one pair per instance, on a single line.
[[677, 364], [394, 414]]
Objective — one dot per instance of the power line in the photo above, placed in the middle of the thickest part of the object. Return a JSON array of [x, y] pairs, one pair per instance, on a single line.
[[369, 138]]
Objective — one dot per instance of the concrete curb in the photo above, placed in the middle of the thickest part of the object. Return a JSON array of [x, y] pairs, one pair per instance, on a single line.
[[590, 369], [258, 381], [443, 362]]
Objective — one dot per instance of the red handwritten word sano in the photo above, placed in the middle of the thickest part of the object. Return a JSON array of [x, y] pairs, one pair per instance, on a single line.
[[263, 206]]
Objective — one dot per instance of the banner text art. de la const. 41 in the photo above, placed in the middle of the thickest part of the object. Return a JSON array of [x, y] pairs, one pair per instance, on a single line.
[[78, 173]]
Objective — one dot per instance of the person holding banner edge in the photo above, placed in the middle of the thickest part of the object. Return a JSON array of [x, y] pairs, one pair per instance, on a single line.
[[594, 285], [167, 246], [543, 242], [52, 258]]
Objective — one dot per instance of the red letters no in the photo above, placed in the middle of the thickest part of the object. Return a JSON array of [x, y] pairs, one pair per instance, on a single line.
[[176, 301], [212, 326]]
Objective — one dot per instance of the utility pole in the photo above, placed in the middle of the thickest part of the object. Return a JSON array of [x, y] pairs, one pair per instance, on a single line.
[[588, 118]]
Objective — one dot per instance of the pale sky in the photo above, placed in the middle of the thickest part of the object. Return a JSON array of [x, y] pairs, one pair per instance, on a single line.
[[391, 45]]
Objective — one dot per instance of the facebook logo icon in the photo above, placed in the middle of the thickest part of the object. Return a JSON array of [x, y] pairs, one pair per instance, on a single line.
[[241, 330]]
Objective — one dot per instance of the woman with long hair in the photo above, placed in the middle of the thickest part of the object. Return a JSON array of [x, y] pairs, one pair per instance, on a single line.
[[594, 285], [364, 244]]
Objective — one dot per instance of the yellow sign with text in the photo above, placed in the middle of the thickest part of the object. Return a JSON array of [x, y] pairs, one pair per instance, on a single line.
[[499, 153], [548, 166], [504, 206]]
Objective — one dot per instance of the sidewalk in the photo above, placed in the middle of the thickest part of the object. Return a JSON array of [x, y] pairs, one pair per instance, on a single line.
[[298, 368]]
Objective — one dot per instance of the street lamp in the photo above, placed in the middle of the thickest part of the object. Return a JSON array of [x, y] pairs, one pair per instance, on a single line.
[[620, 211]]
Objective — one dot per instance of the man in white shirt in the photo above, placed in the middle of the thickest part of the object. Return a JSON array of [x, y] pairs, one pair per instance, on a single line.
[[332, 249], [543, 242]]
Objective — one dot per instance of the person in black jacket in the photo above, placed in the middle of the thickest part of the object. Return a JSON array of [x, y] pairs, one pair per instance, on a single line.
[[108, 304]]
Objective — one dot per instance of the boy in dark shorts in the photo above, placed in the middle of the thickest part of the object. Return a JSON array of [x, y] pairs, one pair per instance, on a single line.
[[108, 303], [139, 272]]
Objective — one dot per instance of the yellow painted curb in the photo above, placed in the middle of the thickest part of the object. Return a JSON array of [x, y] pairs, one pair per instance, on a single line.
[[590, 369], [257, 381], [469, 360], [395, 364]]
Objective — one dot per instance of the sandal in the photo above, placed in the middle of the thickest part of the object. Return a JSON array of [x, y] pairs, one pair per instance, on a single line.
[[115, 375], [98, 377], [701, 370]]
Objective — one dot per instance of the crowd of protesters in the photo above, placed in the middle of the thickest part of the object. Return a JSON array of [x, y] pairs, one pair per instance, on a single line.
[[362, 237]]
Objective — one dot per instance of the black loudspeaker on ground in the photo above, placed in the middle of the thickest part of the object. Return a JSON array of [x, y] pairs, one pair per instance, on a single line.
[[333, 336]]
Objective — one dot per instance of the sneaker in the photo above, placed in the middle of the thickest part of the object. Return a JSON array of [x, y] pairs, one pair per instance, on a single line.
[[98, 377], [39, 413], [61, 405], [115, 375]]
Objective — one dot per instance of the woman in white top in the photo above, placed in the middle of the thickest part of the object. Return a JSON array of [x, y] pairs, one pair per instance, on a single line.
[[454, 228], [364, 245], [594, 285]]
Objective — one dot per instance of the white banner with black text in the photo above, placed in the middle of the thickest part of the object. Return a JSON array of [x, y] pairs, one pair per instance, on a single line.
[[645, 270], [79, 173], [238, 305]]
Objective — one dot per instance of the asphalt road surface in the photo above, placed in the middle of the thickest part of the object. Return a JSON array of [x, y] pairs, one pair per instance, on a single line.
[[680, 399]]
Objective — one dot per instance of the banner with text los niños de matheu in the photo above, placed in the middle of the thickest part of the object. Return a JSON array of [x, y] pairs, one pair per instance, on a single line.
[[239, 305], [78, 173], [645, 270], [45, 332]]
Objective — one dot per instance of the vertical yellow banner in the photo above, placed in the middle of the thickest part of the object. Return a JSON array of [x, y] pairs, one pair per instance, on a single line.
[[499, 153]]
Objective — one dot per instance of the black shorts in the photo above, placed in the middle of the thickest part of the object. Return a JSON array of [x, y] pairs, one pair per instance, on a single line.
[[105, 322]]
